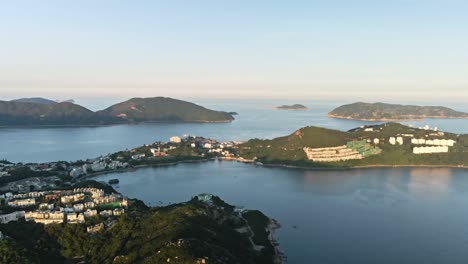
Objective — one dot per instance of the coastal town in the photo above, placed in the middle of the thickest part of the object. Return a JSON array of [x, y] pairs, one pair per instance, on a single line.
[[26, 177]]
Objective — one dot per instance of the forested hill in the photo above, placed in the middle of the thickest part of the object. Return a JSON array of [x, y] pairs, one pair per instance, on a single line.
[[41, 114], [371, 146], [165, 109], [393, 112], [199, 231], [45, 112]]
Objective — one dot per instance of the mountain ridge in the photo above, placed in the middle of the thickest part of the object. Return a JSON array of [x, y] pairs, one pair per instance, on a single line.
[[156, 109]]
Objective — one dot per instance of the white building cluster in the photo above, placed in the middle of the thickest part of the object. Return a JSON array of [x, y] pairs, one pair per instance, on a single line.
[[429, 150], [69, 211], [332, 154], [433, 142]]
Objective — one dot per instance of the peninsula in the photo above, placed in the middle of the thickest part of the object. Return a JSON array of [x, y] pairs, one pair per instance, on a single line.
[[388, 144], [44, 112], [292, 107], [392, 112]]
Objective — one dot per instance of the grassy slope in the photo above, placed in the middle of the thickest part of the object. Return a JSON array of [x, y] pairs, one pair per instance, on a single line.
[[288, 150]]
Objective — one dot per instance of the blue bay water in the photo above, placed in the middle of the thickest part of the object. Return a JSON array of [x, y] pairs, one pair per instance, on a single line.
[[397, 215], [256, 119]]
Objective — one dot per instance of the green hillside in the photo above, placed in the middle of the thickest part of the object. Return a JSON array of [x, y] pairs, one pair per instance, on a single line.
[[31, 114], [179, 233], [289, 150], [43, 113], [165, 109], [383, 111]]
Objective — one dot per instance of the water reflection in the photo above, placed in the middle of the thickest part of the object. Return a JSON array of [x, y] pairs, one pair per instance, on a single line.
[[428, 183], [397, 215]]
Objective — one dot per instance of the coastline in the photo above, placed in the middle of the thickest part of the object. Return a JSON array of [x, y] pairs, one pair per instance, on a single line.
[[95, 174], [272, 227], [363, 167], [116, 124]]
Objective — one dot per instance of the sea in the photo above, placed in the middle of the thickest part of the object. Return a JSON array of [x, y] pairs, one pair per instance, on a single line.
[[375, 215]]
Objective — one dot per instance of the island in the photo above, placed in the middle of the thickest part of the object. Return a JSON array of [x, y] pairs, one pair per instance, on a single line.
[[392, 112], [44, 112], [90, 222], [292, 107]]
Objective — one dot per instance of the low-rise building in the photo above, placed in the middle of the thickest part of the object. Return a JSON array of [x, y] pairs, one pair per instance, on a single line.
[[399, 140], [76, 172], [430, 150], [22, 202], [72, 198], [138, 156], [90, 213], [392, 140], [78, 207], [45, 217], [75, 218], [95, 228], [46, 206], [118, 211], [106, 213], [175, 139], [15, 216]]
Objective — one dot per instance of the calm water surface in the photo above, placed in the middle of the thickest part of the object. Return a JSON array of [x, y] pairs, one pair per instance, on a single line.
[[397, 215], [356, 216], [256, 119]]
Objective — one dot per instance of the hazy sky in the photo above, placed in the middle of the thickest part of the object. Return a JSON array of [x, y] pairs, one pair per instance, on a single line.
[[371, 50]]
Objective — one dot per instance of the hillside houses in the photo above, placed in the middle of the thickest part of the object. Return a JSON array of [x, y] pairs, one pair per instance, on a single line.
[[66, 206], [22, 202]]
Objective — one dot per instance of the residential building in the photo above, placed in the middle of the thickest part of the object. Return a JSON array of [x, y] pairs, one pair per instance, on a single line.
[[23, 202], [15, 216], [175, 139]]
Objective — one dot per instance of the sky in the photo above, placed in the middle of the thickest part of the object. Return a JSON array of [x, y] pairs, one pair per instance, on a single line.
[[364, 50]]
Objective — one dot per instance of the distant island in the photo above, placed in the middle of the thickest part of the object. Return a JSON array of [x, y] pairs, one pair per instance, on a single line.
[[389, 144], [44, 112], [392, 112], [292, 107]]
